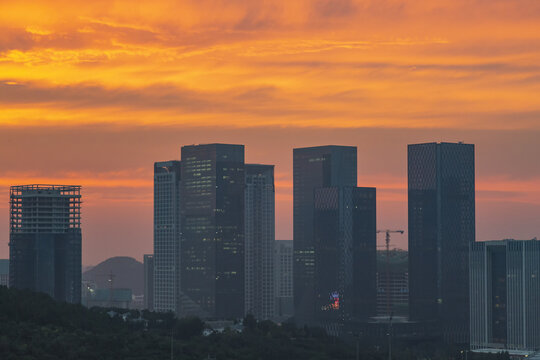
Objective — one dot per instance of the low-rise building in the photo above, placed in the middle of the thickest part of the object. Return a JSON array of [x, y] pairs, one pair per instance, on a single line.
[[4, 272], [116, 298]]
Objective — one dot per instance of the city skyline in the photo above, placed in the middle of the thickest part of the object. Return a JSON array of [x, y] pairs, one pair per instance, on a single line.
[[492, 203], [93, 93], [226, 236]]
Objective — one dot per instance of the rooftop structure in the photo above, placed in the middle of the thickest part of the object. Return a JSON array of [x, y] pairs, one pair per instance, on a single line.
[[42, 208]]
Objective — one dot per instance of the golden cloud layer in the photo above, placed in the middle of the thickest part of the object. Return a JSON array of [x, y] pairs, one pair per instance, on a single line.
[[338, 63]]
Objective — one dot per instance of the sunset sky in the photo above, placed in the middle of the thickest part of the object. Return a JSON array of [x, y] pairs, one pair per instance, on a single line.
[[93, 92]]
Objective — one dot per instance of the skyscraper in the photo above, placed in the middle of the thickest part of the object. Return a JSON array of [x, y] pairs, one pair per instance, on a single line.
[[283, 279], [148, 281], [441, 227], [212, 274], [505, 295], [314, 167], [259, 241], [167, 179], [45, 240], [345, 245]]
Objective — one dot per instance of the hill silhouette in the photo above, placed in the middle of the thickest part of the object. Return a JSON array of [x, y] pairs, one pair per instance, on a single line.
[[128, 273]]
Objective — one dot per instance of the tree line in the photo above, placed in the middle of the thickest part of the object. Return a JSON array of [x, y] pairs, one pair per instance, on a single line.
[[34, 326]]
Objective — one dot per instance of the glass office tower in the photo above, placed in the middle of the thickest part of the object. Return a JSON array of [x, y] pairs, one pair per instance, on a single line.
[[212, 212], [441, 191], [45, 240], [505, 295], [314, 167], [167, 179], [345, 244]]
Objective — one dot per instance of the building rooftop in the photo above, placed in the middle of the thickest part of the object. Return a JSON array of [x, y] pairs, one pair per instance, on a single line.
[[44, 208], [117, 295], [531, 355], [45, 187], [213, 144], [504, 241], [325, 147], [441, 143]]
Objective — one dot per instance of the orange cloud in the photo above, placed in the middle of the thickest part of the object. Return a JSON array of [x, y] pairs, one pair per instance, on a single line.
[[250, 63]]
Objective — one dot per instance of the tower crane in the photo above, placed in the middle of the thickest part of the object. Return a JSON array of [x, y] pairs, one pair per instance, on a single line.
[[387, 289]]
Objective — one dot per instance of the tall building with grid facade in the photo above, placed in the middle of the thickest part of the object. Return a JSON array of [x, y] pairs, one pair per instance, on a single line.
[[45, 240], [441, 201], [505, 295], [313, 167], [167, 180], [259, 241], [283, 279], [393, 283], [212, 212], [148, 262], [396, 301], [345, 244]]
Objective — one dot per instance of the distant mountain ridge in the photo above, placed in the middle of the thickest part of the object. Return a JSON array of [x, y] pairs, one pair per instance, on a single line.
[[127, 273]]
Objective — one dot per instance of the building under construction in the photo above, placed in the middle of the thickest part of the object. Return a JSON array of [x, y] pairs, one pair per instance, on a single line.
[[45, 240], [392, 283]]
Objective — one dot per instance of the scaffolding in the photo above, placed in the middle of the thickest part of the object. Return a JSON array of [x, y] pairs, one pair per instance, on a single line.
[[40, 208]]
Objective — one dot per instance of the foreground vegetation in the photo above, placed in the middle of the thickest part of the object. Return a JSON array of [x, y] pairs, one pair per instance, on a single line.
[[33, 326]]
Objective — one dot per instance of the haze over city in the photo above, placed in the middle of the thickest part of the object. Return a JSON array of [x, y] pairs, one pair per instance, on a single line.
[[94, 93]]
